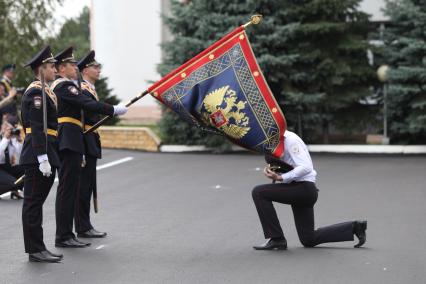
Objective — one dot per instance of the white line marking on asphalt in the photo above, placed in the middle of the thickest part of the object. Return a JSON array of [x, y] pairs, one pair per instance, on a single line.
[[114, 163], [219, 187], [100, 247], [101, 167], [111, 164]]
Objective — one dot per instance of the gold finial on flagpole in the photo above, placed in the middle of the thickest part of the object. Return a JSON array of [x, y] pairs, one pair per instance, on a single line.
[[19, 180], [255, 19]]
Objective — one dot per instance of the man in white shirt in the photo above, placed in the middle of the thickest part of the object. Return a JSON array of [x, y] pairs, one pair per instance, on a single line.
[[10, 151], [297, 188]]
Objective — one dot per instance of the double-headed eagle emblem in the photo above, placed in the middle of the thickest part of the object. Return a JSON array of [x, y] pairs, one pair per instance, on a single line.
[[225, 113]]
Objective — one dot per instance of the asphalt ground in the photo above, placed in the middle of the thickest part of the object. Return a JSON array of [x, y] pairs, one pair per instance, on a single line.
[[190, 218]]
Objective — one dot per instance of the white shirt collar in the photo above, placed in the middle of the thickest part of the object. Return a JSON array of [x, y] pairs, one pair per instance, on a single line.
[[90, 84], [286, 133]]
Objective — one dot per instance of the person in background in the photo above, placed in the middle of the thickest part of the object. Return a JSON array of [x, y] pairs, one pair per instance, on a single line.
[[10, 152], [8, 73], [6, 100]]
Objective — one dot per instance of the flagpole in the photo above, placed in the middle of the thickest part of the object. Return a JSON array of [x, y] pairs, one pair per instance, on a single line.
[[100, 122], [19, 180], [254, 20]]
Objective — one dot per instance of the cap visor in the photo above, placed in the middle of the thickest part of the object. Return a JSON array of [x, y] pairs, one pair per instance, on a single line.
[[94, 64]]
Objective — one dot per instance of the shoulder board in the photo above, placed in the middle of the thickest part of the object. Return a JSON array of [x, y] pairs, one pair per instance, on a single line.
[[35, 84], [87, 87], [57, 82]]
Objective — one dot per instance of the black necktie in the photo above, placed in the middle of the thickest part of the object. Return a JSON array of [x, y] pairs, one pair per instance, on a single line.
[[6, 156]]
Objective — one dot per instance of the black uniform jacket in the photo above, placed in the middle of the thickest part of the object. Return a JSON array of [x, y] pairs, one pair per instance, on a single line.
[[92, 140], [32, 122], [71, 102]]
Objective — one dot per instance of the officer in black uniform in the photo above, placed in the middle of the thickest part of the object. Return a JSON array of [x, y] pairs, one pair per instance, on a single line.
[[90, 70], [71, 103], [39, 154]]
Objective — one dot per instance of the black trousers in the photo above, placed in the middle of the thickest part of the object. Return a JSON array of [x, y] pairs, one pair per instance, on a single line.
[[37, 188], [302, 197], [84, 195], [8, 176], [69, 183]]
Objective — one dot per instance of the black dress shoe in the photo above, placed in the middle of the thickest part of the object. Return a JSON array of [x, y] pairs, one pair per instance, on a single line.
[[71, 243], [81, 242], [92, 233], [43, 256], [359, 231], [273, 244], [55, 254]]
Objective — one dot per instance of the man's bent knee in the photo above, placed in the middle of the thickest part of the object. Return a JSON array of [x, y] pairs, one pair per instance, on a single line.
[[256, 191], [308, 242]]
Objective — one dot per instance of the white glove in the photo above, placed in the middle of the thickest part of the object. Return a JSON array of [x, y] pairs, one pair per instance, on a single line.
[[44, 166], [120, 109]]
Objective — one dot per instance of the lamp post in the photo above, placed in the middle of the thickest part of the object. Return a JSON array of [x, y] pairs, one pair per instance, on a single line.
[[382, 74]]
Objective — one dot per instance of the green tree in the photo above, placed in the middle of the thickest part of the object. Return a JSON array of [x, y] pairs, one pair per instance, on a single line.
[[312, 52], [195, 25], [75, 32], [23, 22], [405, 52]]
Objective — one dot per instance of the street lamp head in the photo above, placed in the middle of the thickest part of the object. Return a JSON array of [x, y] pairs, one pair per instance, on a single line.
[[382, 73]]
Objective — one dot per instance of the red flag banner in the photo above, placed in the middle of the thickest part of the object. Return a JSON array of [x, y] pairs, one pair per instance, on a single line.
[[222, 88]]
